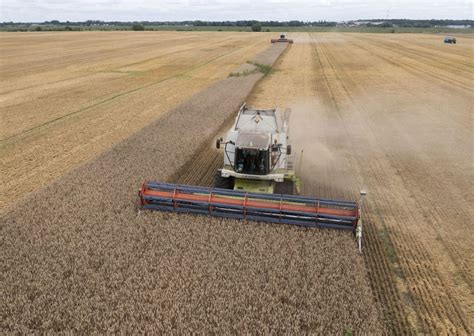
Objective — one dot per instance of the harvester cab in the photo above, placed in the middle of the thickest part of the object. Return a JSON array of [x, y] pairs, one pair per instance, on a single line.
[[257, 153]]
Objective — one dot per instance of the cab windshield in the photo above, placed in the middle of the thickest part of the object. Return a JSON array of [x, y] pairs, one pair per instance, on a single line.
[[251, 161]]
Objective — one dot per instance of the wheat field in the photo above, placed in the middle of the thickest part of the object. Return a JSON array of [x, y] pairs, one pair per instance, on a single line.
[[87, 117]]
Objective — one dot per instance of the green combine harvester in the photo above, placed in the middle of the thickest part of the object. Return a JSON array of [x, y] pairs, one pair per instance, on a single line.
[[257, 181]]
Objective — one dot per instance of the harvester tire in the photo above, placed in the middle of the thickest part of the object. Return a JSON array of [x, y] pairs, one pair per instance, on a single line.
[[286, 187], [223, 182]]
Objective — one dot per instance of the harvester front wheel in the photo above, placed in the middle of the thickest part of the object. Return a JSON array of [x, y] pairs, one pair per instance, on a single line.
[[223, 182], [286, 187]]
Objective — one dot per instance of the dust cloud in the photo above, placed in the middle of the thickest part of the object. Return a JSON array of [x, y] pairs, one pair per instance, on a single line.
[[326, 169]]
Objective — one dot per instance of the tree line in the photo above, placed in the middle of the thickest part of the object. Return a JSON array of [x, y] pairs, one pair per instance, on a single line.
[[255, 25]]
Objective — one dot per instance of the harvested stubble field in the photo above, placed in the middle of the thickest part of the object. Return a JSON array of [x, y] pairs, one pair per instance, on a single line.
[[66, 97]]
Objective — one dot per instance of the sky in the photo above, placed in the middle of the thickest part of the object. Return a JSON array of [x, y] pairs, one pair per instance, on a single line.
[[221, 10]]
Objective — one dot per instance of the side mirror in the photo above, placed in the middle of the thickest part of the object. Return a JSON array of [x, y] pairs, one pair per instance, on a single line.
[[288, 149]]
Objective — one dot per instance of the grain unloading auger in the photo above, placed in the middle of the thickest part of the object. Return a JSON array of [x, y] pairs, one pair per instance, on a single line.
[[257, 182]]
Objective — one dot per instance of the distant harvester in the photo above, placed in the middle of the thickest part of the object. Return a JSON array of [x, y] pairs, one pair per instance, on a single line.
[[450, 40], [282, 39]]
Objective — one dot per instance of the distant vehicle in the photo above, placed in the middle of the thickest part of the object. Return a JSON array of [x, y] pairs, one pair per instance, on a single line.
[[450, 40], [282, 39]]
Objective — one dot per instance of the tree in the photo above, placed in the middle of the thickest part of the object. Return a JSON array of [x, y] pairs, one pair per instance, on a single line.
[[38, 28], [138, 27], [257, 27]]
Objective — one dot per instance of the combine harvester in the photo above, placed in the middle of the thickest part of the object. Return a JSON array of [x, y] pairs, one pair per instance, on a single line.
[[257, 182], [282, 38]]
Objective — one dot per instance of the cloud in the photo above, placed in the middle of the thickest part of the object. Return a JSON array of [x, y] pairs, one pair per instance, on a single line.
[[171, 10]]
